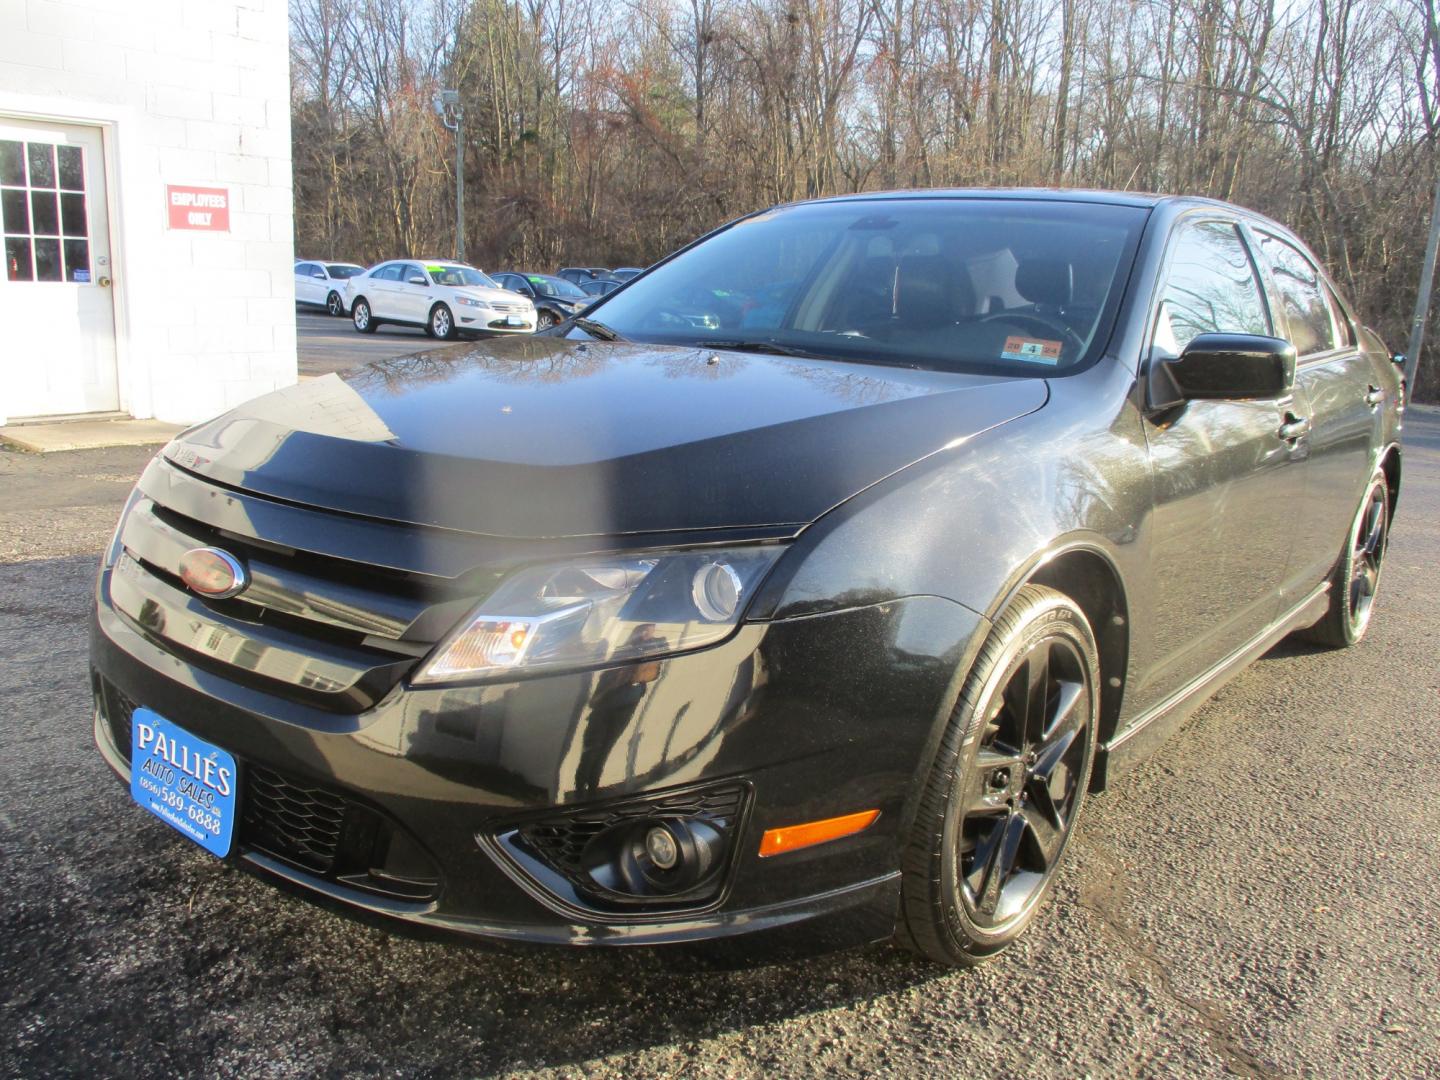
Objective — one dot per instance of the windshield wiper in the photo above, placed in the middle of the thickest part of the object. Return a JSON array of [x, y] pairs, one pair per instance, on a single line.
[[764, 347], [596, 329]]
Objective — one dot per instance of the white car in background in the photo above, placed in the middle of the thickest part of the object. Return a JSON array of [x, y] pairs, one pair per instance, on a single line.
[[322, 284], [446, 298]]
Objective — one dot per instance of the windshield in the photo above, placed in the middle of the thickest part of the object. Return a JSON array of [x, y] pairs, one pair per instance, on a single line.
[[991, 285], [554, 287], [342, 270], [449, 274]]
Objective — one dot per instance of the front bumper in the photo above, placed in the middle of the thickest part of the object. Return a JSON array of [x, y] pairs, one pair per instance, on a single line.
[[816, 717]]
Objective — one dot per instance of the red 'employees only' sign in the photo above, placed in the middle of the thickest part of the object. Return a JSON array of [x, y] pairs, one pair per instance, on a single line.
[[204, 208]]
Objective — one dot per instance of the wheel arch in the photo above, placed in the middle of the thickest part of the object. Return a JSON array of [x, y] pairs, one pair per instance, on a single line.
[[1390, 465], [1086, 573]]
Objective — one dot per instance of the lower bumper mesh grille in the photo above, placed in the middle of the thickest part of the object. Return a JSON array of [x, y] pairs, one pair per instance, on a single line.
[[315, 829]]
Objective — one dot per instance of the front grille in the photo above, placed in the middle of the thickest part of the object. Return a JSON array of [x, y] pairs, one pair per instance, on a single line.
[[295, 822], [511, 309], [331, 632], [560, 840], [315, 829]]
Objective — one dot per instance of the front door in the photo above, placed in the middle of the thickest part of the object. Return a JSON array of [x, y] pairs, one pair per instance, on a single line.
[[56, 303], [1228, 485]]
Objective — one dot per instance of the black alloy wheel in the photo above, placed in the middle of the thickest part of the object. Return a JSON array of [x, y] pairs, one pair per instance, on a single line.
[[1007, 785], [1357, 575]]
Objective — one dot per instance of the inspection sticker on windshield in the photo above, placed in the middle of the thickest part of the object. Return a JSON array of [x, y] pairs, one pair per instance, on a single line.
[[1035, 350], [183, 780]]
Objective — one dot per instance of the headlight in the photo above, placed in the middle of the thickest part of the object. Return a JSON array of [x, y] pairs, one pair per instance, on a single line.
[[602, 610], [466, 301]]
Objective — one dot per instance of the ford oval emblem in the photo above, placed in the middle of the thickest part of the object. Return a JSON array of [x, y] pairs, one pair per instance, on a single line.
[[213, 573]]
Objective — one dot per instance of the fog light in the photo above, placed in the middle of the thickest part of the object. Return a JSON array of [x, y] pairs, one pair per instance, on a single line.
[[660, 846]]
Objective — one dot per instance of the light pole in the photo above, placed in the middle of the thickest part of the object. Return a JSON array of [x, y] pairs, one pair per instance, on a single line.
[[452, 115]]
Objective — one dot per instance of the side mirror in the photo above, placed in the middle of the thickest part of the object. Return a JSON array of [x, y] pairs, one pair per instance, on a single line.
[[416, 279], [1223, 367]]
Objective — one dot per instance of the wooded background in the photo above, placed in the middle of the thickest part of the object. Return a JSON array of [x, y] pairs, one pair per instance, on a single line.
[[609, 132]]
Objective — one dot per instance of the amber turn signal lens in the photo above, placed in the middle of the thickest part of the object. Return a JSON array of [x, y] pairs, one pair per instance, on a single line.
[[794, 837]]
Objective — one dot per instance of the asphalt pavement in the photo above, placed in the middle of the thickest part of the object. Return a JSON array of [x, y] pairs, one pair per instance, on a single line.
[[1259, 899]]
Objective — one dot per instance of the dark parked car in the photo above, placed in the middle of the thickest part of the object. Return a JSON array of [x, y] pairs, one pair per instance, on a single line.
[[625, 273], [579, 275], [797, 598], [555, 298], [600, 287]]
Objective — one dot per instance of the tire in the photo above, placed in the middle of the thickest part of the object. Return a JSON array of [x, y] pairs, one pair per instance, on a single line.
[[1356, 578], [544, 320], [361, 317], [333, 307], [441, 323], [1007, 786]]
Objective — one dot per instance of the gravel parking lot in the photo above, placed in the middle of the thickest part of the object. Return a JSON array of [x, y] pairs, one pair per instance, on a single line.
[[1259, 899]]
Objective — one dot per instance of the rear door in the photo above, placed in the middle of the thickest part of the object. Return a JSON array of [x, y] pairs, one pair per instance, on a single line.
[[1228, 484], [1344, 396], [385, 299], [306, 286]]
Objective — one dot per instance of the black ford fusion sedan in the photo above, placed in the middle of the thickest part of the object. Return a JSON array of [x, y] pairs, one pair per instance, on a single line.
[[798, 596]]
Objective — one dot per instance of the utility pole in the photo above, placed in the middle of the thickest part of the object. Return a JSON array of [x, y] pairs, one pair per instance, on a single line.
[[1422, 301], [452, 115]]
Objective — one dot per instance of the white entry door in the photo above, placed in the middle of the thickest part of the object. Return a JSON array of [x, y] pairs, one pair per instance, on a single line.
[[57, 315]]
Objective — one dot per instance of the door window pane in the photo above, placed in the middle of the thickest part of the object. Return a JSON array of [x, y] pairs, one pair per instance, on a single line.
[[72, 215], [35, 214], [47, 260], [44, 214], [72, 167], [15, 210], [1344, 336], [12, 163], [77, 260], [1210, 287], [1301, 296], [42, 164], [17, 259]]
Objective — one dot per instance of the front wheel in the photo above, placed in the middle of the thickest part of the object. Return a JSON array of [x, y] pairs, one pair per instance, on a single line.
[[333, 307], [1357, 575], [1007, 785], [360, 316], [442, 323], [544, 320]]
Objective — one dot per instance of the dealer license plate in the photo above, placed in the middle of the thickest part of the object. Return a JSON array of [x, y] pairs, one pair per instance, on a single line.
[[183, 780]]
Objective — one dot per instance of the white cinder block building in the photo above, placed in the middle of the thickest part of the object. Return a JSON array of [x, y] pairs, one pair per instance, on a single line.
[[145, 204]]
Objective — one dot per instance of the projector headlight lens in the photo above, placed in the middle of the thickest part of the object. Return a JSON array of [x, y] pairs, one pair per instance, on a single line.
[[603, 610]]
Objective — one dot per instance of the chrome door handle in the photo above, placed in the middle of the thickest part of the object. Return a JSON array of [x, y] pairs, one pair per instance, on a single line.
[[1374, 396], [1294, 427]]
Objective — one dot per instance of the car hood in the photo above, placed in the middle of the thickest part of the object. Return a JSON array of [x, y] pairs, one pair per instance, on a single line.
[[546, 437]]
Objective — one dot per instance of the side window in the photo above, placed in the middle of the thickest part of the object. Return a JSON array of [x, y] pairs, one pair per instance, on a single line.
[[1210, 287], [304, 269], [1344, 334], [410, 270], [389, 273], [1302, 295]]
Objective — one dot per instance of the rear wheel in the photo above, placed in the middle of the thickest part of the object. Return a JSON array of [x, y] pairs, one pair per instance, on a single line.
[[360, 316], [442, 323], [333, 306], [1007, 784], [1357, 575]]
